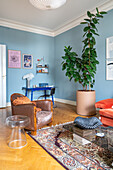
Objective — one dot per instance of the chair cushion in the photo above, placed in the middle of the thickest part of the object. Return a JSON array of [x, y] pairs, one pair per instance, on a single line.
[[21, 100], [43, 118], [87, 123], [104, 104], [106, 113], [38, 109]]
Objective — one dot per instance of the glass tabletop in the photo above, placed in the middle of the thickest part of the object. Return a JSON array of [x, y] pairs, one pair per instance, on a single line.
[[85, 136]]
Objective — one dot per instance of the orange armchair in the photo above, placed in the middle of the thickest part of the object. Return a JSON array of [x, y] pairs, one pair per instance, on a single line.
[[40, 112]]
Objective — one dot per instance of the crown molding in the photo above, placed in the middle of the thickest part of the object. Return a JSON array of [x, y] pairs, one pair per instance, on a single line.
[[106, 7], [23, 27], [67, 26]]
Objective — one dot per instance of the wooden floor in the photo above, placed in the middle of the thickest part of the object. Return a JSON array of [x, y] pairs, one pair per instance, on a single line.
[[32, 156]]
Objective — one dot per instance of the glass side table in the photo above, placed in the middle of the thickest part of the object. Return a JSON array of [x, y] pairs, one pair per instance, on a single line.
[[17, 123]]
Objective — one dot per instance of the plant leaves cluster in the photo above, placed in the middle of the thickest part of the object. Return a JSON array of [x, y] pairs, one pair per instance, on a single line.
[[83, 69]]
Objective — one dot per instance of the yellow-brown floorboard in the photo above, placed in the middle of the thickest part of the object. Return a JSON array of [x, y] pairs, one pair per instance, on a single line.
[[32, 156]]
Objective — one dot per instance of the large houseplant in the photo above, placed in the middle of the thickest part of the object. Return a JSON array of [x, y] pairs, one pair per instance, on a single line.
[[83, 69]]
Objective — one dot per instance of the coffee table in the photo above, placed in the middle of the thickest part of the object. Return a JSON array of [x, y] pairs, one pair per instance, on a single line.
[[99, 149], [105, 142]]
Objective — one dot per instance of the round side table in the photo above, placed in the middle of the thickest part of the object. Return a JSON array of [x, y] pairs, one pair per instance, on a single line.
[[18, 137]]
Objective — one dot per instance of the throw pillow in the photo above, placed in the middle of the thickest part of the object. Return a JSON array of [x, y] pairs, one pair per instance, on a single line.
[[104, 104], [21, 100], [87, 123]]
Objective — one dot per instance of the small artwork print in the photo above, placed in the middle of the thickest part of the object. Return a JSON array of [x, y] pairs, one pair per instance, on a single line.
[[27, 61], [14, 59]]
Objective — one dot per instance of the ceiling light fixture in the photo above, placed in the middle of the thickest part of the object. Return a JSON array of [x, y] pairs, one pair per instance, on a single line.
[[47, 4]]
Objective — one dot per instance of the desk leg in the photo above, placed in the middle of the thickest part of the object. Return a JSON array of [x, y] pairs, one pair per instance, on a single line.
[[26, 93], [31, 95], [52, 99], [45, 94]]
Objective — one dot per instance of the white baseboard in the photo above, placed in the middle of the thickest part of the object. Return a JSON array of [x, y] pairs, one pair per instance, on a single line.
[[8, 104], [63, 101], [66, 101], [56, 99]]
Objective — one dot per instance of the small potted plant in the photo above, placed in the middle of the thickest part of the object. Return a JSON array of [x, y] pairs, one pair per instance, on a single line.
[[83, 69]]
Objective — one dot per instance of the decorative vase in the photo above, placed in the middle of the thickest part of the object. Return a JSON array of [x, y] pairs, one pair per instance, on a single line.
[[86, 102]]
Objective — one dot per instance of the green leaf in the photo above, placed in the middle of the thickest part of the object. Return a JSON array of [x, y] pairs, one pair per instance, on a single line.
[[91, 85], [95, 20], [103, 12], [83, 23], [97, 62], [84, 34], [93, 81], [86, 29], [93, 31], [89, 14], [96, 34], [93, 26], [92, 15], [63, 68], [87, 20], [70, 78], [97, 10], [88, 77], [99, 16], [89, 35]]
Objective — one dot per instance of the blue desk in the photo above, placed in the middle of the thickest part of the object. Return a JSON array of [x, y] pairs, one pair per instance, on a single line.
[[37, 89]]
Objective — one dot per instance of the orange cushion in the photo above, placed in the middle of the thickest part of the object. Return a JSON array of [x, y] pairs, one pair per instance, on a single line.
[[106, 112], [38, 109], [103, 104], [21, 100]]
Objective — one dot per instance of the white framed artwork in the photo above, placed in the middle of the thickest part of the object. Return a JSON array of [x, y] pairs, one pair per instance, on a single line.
[[109, 58], [109, 69], [109, 48]]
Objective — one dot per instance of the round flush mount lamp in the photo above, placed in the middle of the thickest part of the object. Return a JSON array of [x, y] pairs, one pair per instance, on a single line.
[[47, 4]]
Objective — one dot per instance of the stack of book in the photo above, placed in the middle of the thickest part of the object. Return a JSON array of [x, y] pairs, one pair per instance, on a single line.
[[80, 139], [83, 132]]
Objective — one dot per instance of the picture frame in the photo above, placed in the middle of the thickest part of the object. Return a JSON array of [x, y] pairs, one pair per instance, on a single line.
[[109, 58], [109, 69], [109, 48], [27, 61], [14, 59]]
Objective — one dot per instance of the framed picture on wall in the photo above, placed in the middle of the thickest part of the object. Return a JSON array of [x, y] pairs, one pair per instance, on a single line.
[[109, 69], [27, 61], [109, 48], [14, 59]]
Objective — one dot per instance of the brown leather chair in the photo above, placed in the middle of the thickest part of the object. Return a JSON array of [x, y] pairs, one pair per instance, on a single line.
[[38, 118]]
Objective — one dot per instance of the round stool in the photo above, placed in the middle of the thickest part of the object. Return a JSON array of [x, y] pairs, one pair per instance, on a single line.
[[18, 137]]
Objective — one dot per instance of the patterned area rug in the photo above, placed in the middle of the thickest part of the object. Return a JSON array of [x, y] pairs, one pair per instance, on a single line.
[[59, 142]]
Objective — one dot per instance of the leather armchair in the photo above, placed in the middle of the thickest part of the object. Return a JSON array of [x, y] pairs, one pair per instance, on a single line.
[[38, 118]]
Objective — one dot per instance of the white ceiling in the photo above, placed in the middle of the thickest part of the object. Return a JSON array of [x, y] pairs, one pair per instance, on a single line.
[[21, 11]]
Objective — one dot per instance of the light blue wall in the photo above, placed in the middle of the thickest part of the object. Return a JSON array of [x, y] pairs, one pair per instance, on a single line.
[[28, 43], [66, 89], [73, 37], [52, 49]]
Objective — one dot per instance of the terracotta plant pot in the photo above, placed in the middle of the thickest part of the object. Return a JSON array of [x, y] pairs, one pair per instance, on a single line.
[[86, 102]]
